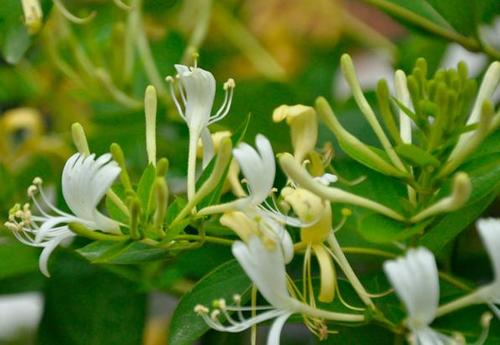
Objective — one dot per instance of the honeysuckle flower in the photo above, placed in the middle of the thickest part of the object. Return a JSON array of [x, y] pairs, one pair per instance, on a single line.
[[85, 180], [263, 262], [303, 127], [197, 92], [415, 279], [252, 223], [489, 229], [259, 168], [316, 215]]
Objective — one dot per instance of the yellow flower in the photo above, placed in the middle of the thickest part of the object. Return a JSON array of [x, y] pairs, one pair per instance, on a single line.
[[303, 127]]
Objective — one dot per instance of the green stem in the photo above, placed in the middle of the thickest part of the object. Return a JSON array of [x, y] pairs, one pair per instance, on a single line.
[[191, 173], [368, 251], [426, 24], [82, 230], [209, 239], [462, 302]]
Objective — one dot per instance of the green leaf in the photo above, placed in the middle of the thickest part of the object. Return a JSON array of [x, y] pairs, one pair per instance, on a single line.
[[375, 186], [14, 38], [145, 185], [452, 224], [379, 229], [399, 8], [484, 173], [223, 282], [462, 15], [86, 304], [416, 156], [17, 42], [122, 253]]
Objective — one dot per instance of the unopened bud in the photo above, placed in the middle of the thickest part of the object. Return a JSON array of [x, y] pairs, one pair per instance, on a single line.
[[80, 139], [150, 105], [33, 15]]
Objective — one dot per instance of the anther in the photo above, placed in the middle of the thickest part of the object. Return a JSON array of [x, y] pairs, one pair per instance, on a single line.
[[11, 226], [346, 212], [201, 309], [237, 299], [486, 319], [37, 181], [32, 190], [229, 84]]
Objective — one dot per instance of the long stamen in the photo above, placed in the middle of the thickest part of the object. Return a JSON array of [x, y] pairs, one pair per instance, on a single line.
[[171, 82], [226, 104]]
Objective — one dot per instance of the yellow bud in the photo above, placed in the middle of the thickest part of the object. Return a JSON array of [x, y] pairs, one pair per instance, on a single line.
[[303, 127]]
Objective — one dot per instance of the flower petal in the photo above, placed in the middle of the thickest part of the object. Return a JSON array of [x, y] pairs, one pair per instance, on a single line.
[[85, 180], [275, 332], [47, 251], [266, 268], [199, 87], [415, 279]]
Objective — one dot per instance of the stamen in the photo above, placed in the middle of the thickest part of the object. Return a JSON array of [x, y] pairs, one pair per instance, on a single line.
[[229, 86], [214, 315], [343, 301], [345, 214], [171, 82], [70, 16], [485, 325]]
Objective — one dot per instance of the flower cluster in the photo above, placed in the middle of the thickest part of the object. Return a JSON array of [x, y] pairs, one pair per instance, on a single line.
[[273, 227]]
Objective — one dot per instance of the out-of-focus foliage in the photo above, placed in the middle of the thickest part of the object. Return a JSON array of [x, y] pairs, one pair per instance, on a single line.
[[279, 52]]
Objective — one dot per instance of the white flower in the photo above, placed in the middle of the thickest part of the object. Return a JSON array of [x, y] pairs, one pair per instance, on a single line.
[[265, 266], [415, 279], [264, 263], [197, 92], [85, 180], [258, 167], [489, 229]]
